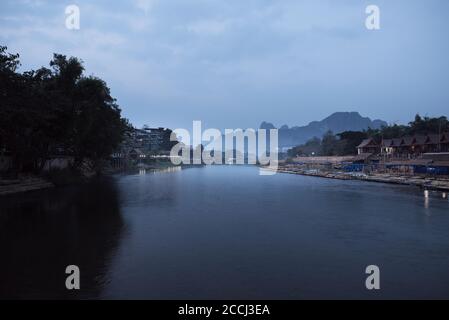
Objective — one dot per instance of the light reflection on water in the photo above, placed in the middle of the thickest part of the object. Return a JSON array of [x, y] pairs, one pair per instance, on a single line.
[[225, 232], [170, 169]]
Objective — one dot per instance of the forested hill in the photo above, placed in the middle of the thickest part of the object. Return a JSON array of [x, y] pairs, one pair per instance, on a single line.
[[337, 122]]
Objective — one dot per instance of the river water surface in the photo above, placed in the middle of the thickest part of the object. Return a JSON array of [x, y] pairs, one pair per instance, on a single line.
[[224, 232]]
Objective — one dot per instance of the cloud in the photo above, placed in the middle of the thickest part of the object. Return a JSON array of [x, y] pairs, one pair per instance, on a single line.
[[33, 3], [145, 5], [184, 57], [209, 27]]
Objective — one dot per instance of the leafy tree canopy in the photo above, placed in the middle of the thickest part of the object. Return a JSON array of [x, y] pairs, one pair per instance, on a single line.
[[56, 111]]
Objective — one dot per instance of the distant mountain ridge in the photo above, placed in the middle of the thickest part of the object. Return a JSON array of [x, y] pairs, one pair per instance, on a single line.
[[336, 122]]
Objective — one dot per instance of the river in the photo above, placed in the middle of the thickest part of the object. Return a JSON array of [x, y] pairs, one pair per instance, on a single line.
[[224, 232]]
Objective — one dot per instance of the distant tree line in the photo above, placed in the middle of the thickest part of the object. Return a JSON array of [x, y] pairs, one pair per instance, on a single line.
[[56, 111], [346, 143]]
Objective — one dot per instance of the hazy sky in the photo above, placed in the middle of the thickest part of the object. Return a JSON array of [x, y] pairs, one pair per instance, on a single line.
[[237, 63]]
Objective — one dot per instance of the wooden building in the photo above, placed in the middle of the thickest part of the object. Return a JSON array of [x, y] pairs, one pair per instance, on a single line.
[[406, 147], [368, 146]]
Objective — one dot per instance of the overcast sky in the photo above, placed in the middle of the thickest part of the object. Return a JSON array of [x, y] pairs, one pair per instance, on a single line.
[[237, 63]]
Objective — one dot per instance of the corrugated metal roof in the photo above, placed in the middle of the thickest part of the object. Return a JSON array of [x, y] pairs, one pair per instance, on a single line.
[[420, 140], [407, 141], [367, 142], [433, 139], [387, 142], [396, 142]]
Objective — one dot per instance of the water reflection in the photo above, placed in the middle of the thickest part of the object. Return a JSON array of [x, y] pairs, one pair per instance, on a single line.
[[225, 232], [43, 232], [161, 170]]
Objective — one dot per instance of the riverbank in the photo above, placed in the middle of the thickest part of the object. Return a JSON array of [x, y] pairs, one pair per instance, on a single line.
[[430, 183], [65, 177], [23, 185]]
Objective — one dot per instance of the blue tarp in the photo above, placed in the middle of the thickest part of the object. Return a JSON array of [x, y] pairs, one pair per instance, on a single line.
[[432, 170], [356, 167]]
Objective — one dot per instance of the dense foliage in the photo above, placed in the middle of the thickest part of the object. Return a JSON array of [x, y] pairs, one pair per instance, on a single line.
[[56, 111]]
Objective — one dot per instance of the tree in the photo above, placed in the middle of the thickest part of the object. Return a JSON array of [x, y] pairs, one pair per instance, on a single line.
[[428, 125], [98, 126], [311, 147], [348, 142], [46, 112], [328, 144], [167, 145]]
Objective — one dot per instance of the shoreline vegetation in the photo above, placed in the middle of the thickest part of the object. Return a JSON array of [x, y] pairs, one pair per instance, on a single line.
[[59, 126], [56, 124]]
